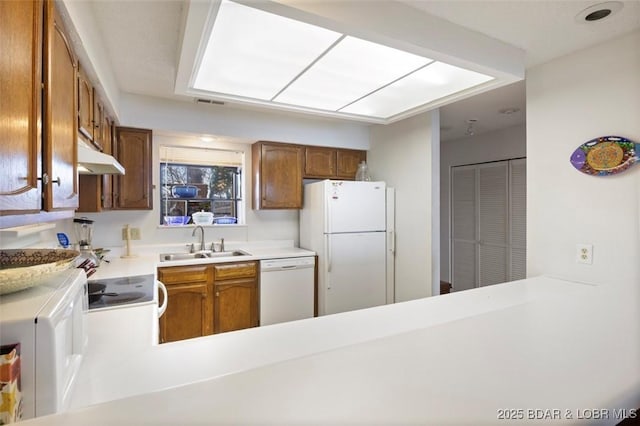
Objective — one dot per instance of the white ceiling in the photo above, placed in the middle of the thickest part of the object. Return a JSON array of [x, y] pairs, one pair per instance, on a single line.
[[143, 38]]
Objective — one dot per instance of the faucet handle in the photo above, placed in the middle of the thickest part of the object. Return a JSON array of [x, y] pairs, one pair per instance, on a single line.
[[192, 248], [213, 246]]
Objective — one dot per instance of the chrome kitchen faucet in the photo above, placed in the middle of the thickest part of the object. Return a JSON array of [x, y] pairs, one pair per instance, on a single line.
[[201, 236]]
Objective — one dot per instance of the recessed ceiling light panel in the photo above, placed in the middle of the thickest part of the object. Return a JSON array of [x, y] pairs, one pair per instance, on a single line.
[[428, 84], [351, 70], [255, 54]]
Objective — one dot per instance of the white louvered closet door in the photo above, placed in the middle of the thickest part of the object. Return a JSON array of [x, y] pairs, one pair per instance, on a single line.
[[488, 219], [493, 226], [463, 232], [518, 216]]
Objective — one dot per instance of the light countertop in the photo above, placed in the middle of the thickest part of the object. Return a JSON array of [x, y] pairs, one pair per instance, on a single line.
[[467, 357], [147, 258]]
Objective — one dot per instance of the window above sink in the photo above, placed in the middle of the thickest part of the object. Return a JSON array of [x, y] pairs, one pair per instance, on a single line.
[[200, 179]]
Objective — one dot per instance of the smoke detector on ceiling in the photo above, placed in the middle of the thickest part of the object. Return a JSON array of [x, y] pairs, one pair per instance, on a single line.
[[598, 12], [509, 111], [470, 129]]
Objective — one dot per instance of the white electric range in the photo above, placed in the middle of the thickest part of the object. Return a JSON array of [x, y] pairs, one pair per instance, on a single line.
[[122, 291]]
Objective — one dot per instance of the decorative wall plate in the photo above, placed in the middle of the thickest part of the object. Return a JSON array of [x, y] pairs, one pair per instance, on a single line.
[[606, 155]]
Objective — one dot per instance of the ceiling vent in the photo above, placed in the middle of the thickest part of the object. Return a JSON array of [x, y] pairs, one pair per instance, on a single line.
[[208, 101]]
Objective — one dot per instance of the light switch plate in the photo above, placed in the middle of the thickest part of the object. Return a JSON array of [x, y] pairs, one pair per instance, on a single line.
[[584, 253]]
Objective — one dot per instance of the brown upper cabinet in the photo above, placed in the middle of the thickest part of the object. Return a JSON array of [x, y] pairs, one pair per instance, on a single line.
[[38, 124], [279, 168], [106, 196], [21, 106], [85, 106], [99, 115], [347, 161], [277, 175], [332, 163], [92, 113], [131, 191], [59, 171], [134, 189], [319, 162]]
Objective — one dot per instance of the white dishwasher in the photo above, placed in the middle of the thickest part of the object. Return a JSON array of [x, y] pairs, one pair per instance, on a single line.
[[287, 289]]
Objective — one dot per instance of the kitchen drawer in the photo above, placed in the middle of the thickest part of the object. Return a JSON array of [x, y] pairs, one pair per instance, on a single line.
[[226, 271], [183, 274]]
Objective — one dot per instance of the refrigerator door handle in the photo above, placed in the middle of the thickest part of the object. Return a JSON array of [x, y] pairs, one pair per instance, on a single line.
[[327, 216], [328, 253]]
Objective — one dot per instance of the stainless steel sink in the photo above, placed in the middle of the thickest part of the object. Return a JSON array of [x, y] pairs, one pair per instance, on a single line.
[[204, 254]]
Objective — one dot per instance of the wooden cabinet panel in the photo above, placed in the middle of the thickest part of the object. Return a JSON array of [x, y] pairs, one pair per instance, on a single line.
[[85, 106], [235, 305], [106, 196], [235, 270], [277, 175], [98, 119], [132, 148], [319, 162], [60, 177], [96, 191], [332, 163], [347, 161], [235, 296], [20, 107], [189, 307], [182, 274], [187, 314]]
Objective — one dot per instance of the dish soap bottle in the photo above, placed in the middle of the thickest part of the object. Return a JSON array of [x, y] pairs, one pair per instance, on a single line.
[[363, 172]]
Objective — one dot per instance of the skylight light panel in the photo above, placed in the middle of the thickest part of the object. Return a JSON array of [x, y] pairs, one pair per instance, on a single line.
[[350, 70], [254, 54], [426, 85]]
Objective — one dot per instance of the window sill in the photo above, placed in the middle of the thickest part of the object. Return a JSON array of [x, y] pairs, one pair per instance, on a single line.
[[191, 226]]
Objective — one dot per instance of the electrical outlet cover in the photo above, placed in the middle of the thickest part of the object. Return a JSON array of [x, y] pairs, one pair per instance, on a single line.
[[584, 253]]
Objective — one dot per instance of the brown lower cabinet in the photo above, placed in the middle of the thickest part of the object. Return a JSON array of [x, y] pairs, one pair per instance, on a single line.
[[235, 296], [189, 308], [207, 299]]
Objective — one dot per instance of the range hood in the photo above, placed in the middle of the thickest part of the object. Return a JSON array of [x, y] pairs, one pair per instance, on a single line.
[[92, 162]]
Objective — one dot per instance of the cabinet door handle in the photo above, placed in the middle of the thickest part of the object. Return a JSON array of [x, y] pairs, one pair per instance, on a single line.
[[45, 179]]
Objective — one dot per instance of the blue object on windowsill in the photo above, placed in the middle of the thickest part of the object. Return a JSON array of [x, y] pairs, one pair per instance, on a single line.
[[63, 239], [176, 220]]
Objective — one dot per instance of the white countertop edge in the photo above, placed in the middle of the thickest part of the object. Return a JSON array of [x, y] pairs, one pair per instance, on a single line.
[[222, 354], [299, 346]]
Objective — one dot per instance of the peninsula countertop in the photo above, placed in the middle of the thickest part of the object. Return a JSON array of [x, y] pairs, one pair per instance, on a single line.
[[504, 353]]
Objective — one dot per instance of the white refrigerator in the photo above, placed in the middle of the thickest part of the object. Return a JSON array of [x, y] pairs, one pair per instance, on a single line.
[[350, 227]]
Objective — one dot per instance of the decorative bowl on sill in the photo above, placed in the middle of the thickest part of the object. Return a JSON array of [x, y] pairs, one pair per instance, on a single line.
[[202, 218], [184, 191], [176, 220], [225, 220], [24, 268]]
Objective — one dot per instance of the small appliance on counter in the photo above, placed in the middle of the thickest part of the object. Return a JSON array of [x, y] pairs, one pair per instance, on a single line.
[[84, 232], [83, 228]]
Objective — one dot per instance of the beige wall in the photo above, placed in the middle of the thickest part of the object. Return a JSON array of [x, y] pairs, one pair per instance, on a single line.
[[571, 100], [405, 155]]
